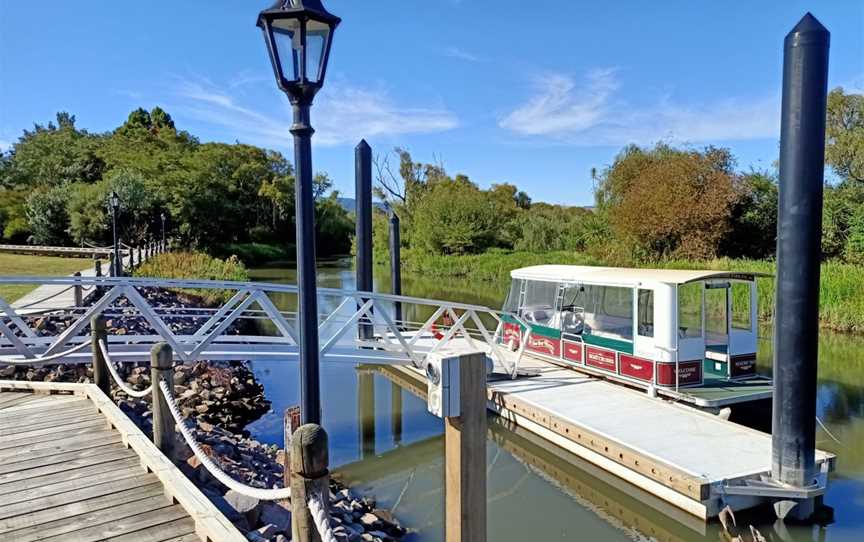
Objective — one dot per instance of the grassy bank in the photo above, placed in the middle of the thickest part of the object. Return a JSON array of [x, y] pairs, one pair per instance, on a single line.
[[195, 265], [842, 284], [39, 266], [254, 254]]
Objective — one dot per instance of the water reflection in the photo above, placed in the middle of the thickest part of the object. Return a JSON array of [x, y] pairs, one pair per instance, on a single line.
[[385, 443]]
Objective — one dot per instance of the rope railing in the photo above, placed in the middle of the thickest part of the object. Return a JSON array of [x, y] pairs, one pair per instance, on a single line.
[[212, 468], [118, 379], [45, 359], [321, 518], [44, 299]]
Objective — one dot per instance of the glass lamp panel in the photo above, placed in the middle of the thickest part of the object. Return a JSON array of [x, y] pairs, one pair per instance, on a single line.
[[286, 39], [317, 34]]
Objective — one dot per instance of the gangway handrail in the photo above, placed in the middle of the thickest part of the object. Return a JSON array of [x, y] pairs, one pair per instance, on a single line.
[[465, 320]]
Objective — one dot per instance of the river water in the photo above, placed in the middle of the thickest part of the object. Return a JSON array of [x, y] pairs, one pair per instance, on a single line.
[[536, 492]]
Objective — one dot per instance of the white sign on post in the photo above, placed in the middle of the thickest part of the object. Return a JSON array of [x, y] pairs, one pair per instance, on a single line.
[[442, 379]]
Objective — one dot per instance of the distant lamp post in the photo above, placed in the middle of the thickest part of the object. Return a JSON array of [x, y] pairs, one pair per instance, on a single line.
[[162, 216], [114, 202], [298, 35]]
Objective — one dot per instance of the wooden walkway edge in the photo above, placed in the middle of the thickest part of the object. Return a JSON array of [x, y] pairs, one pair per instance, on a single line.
[[73, 467]]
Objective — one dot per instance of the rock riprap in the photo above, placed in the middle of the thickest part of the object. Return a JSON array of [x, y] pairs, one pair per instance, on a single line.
[[221, 398]]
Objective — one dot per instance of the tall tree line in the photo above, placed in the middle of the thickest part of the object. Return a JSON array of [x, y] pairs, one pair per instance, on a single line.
[[55, 182]]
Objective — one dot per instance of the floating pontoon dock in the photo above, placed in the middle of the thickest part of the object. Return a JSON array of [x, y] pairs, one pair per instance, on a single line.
[[690, 459]]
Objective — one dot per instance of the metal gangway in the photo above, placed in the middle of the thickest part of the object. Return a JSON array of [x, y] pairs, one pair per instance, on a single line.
[[251, 321]]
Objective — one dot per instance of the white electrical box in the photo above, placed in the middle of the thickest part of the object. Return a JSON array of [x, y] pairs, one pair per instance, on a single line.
[[442, 379]]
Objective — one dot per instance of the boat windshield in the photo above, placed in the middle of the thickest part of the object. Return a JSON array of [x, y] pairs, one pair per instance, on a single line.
[[604, 311], [539, 304], [511, 305]]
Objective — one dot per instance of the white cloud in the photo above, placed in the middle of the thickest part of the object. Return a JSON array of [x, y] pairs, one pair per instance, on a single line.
[[461, 54], [560, 108], [594, 114], [5, 145], [343, 114]]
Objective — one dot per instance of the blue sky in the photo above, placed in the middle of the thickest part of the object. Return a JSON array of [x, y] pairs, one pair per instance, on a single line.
[[502, 93]]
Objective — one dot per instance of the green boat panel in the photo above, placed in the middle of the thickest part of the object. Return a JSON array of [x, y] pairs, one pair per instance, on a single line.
[[606, 342], [544, 331]]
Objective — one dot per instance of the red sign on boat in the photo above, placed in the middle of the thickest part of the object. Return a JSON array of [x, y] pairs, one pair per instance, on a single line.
[[573, 351], [544, 345], [602, 359], [689, 373], [643, 369]]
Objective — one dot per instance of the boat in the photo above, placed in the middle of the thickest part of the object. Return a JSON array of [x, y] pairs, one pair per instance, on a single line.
[[688, 334]]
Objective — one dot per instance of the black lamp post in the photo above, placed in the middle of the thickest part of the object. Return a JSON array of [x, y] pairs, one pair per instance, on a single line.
[[114, 201], [162, 216], [298, 34]]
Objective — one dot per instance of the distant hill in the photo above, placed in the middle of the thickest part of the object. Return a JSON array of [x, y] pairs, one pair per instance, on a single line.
[[350, 204]]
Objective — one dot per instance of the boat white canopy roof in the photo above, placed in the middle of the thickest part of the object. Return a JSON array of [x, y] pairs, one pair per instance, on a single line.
[[587, 274]]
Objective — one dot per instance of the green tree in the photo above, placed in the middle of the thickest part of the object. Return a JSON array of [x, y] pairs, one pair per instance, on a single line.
[[840, 204], [334, 226], [844, 130], [455, 217], [55, 154], [753, 232], [89, 221], [854, 250], [666, 201], [13, 215], [47, 216]]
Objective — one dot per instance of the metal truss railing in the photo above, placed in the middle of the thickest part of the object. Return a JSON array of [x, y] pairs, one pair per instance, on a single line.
[[256, 321]]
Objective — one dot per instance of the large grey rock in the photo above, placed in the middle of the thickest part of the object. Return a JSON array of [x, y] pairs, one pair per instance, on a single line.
[[276, 514], [245, 506], [268, 531]]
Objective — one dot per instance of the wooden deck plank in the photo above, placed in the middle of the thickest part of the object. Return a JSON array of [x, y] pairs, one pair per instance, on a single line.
[[50, 405], [49, 433], [74, 495], [191, 537], [51, 465], [46, 413], [88, 473], [50, 423], [70, 485], [37, 399], [8, 396], [123, 526], [70, 524], [81, 507], [40, 449], [22, 398], [24, 463], [181, 530]]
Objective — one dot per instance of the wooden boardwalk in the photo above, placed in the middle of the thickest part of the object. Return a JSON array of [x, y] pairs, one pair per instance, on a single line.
[[74, 468]]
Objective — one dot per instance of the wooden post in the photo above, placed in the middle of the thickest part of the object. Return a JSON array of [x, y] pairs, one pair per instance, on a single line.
[[396, 412], [119, 263], [79, 293], [112, 269], [98, 266], [366, 412], [98, 332], [290, 424], [162, 369], [309, 476], [465, 455]]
